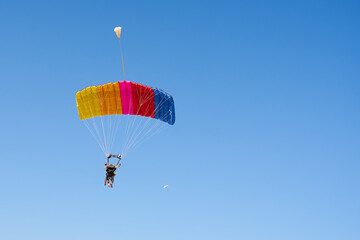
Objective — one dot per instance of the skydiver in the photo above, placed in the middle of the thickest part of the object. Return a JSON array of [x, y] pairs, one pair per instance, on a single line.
[[110, 170]]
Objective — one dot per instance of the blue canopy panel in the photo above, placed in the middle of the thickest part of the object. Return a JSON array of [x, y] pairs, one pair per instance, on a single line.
[[164, 108], [157, 98]]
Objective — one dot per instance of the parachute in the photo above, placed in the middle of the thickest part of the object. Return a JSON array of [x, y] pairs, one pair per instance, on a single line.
[[117, 30], [127, 109], [136, 109], [125, 98]]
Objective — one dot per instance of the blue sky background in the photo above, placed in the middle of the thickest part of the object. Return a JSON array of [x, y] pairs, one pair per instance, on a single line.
[[266, 143]]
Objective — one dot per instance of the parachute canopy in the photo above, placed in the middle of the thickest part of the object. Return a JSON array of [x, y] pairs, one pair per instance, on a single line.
[[117, 30], [124, 97]]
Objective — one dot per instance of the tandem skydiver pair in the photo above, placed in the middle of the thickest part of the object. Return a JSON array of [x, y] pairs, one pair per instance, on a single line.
[[111, 169]]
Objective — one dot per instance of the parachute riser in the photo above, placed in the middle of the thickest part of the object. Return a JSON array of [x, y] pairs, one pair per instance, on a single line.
[[113, 156]]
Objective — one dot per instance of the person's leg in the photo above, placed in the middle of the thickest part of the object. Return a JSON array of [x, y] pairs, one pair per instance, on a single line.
[[112, 180], [106, 179]]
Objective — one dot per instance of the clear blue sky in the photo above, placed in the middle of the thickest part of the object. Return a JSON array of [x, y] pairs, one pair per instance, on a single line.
[[266, 143]]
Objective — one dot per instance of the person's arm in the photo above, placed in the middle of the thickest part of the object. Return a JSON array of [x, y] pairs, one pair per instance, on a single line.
[[119, 164]]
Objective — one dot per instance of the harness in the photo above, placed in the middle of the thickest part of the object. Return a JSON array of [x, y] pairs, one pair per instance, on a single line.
[[110, 171]]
